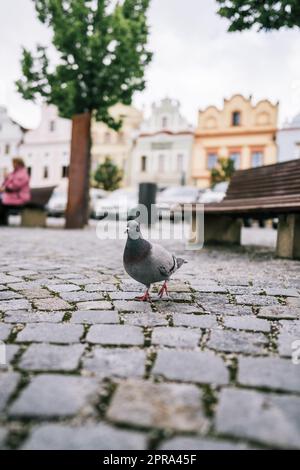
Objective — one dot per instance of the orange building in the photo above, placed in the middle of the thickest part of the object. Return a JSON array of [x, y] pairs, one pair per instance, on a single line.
[[240, 130]]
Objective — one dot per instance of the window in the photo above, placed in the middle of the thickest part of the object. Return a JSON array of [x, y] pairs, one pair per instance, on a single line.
[[257, 158], [65, 171], [121, 137], [45, 173], [161, 163], [212, 159], [6, 149], [144, 163], [29, 170], [52, 126], [164, 122], [236, 118], [236, 157], [107, 137], [180, 163]]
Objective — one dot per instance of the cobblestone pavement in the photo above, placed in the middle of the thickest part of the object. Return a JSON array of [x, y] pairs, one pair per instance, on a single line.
[[90, 368]]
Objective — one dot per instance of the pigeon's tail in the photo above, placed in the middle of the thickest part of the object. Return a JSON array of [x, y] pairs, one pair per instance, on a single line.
[[180, 262]]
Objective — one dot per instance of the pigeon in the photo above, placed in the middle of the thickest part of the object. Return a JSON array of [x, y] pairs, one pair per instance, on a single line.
[[148, 263]]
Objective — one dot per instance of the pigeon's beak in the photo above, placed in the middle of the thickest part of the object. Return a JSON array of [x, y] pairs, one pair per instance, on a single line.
[[126, 231]]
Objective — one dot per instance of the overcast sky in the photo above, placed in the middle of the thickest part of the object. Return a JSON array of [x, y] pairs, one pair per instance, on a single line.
[[195, 59]]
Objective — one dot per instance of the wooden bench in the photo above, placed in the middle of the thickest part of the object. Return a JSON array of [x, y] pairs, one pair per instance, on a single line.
[[33, 213], [264, 192]]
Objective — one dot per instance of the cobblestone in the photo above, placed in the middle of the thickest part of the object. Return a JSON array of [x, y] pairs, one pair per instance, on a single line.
[[90, 437], [56, 333], [171, 406], [211, 366], [266, 418], [54, 395]]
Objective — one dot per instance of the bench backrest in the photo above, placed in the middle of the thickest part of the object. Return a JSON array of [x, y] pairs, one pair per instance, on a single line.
[[280, 179], [40, 196]]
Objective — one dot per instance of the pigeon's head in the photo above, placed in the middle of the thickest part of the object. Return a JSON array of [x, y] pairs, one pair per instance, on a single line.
[[133, 229]]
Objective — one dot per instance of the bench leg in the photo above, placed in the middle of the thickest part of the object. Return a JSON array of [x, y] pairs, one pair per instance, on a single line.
[[33, 218], [288, 236], [222, 229]]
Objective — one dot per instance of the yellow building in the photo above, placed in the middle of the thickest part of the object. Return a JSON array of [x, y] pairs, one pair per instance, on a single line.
[[117, 145], [241, 131]]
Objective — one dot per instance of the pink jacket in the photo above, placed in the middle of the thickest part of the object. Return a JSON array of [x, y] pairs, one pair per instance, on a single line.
[[18, 184]]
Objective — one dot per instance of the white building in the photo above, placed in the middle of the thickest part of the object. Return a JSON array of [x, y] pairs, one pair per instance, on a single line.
[[11, 136], [288, 140], [163, 148], [46, 150]]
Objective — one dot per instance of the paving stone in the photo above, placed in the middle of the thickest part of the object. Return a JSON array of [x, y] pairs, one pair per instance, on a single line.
[[9, 294], [35, 293], [270, 372], [8, 384], [6, 279], [58, 288], [267, 418], [101, 287], [289, 335], [231, 310], [95, 316], [279, 312], [88, 437], [176, 337], [169, 406], [116, 362], [211, 288], [255, 300], [4, 331], [54, 396], [3, 436], [22, 273], [247, 323], [198, 443], [10, 352], [132, 306], [116, 335], [81, 296], [94, 305], [293, 302], [195, 321], [177, 307], [33, 317], [52, 303], [149, 319], [15, 304], [120, 295], [191, 366], [51, 357], [282, 292], [238, 341], [50, 332]]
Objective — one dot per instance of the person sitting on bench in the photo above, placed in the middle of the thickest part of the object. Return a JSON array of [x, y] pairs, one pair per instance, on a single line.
[[15, 191]]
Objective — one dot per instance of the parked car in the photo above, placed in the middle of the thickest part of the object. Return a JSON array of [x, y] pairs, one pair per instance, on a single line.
[[119, 204], [170, 198], [215, 194], [57, 204]]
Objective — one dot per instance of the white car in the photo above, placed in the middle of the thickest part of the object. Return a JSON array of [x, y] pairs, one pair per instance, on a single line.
[[57, 204], [118, 204], [167, 201], [215, 194]]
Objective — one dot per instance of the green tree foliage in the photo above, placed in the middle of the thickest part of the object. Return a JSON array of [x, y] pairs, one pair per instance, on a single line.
[[267, 14], [223, 171], [108, 176], [102, 48]]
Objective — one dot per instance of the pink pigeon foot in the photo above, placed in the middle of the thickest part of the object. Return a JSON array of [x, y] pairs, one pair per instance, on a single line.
[[144, 298], [163, 289]]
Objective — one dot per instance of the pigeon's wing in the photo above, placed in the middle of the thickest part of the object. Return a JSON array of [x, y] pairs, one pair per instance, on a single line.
[[164, 261]]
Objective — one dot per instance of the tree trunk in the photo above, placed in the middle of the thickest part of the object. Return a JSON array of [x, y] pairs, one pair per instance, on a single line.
[[79, 173]]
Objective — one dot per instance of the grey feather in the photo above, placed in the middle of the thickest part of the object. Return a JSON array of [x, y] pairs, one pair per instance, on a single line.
[[145, 262]]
